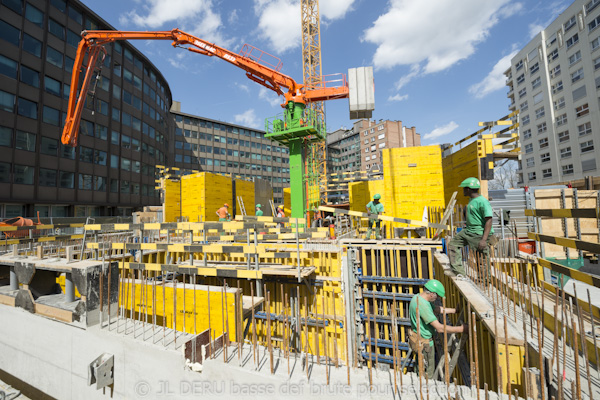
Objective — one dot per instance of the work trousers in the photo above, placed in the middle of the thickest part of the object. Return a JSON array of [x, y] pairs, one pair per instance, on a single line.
[[428, 361], [377, 223], [462, 239]]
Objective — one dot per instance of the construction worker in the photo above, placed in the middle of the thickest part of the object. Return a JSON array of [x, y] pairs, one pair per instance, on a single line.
[[317, 218], [259, 212], [428, 323], [375, 208], [280, 214], [478, 230], [223, 213]]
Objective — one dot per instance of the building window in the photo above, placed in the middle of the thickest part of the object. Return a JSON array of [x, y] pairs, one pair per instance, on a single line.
[[23, 174], [100, 183], [595, 22], [522, 92], [557, 87], [534, 68], [7, 101], [6, 134], [539, 113], [545, 157], [531, 176], [52, 86], [537, 82], [587, 146], [86, 154], [30, 76], [553, 55], [530, 162], [561, 120], [49, 146], [551, 40], [585, 129], [577, 75], [596, 64], [381, 136], [572, 40], [519, 65], [523, 106], [547, 173], [85, 182], [47, 177], [27, 108], [8, 67], [520, 79], [527, 134], [560, 103], [582, 110], [542, 128], [575, 58], [51, 116], [528, 148], [525, 120], [570, 23], [25, 141], [554, 72], [566, 152], [543, 143], [67, 180], [563, 136], [56, 29], [9, 33]]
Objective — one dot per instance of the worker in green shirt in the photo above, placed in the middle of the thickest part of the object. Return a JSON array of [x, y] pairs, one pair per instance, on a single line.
[[478, 230], [428, 323], [375, 208], [259, 212]]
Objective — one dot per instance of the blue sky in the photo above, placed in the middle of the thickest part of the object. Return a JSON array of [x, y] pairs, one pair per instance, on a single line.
[[438, 63]]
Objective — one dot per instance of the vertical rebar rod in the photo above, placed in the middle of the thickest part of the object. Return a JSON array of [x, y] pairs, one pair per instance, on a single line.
[[325, 334], [540, 332], [576, 359]]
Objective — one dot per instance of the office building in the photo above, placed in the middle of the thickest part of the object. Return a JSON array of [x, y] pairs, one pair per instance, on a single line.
[[208, 145], [553, 84]]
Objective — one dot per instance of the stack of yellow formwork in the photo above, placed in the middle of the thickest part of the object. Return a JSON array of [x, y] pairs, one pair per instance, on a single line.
[[172, 200], [245, 190], [413, 180]]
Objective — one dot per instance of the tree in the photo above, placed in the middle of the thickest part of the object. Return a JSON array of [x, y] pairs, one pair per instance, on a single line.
[[505, 176]]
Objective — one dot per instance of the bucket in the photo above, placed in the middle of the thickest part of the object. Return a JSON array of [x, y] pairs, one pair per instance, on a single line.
[[527, 247]]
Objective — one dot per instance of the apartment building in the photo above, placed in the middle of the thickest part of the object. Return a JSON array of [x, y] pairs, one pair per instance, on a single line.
[[376, 136], [215, 146], [553, 82], [343, 151]]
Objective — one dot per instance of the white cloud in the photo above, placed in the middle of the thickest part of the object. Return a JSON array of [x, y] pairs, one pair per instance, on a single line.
[[279, 21], [414, 72], [436, 33], [269, 96], [441, 131], [398, 97], [233, 17], [248, 118], [495, 80], [194, 16], [243, 87]]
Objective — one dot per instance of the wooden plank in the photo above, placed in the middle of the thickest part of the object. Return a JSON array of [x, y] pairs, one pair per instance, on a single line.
[[53, 312]]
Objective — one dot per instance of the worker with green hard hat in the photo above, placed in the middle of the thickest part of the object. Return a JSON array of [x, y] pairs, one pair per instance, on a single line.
[[478, 230], [428, 323], [375, 208], [259, 212]]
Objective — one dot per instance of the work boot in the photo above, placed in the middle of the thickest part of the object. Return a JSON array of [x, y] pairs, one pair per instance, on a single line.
[[369, 231], [378, 233]]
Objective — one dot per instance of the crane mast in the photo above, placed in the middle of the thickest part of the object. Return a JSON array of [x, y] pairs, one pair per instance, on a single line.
[[316, 152]]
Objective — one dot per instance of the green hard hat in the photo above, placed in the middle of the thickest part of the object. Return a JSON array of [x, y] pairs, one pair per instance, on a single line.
[[258, 206], [472, 183], [436, 286], [377, 196]]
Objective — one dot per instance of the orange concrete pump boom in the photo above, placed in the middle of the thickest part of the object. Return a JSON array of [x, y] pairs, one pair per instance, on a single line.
[[263, 73]]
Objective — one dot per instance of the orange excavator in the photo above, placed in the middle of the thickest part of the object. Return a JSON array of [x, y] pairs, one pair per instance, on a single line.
[[297, 125]]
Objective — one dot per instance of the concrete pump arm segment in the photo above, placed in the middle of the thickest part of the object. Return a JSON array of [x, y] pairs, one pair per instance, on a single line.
[[92, 43]]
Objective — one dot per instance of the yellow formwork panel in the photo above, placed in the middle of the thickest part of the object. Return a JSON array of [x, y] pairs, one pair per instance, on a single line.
[[413, 180], [462, 164], [172, 200], [287, 202], [176, 309]]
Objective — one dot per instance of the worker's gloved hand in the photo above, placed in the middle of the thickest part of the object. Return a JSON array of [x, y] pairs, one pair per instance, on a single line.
[[482, 245]]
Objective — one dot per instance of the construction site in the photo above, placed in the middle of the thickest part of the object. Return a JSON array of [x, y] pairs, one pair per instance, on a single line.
[[204, 296]]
